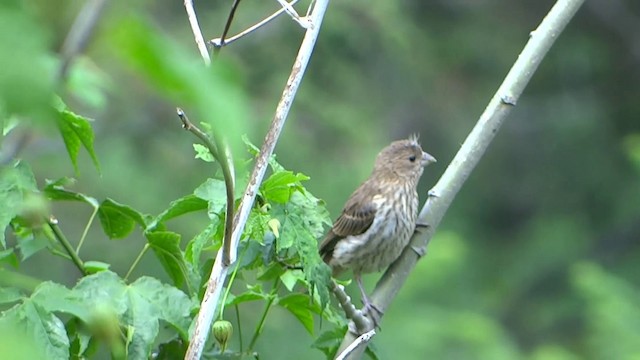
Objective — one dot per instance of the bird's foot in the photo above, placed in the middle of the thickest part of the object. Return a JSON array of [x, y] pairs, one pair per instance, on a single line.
[[420, 251], [373, 312]]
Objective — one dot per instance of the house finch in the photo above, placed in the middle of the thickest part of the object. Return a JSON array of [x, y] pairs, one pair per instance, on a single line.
[[380, 216]]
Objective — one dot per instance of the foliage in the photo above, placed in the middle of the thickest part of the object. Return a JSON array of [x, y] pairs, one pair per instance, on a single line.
[[536, 259]]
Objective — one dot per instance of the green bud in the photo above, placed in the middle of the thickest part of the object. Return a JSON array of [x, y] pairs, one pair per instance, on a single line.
[[222, 331]]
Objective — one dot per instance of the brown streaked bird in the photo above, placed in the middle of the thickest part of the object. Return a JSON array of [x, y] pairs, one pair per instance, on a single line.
[[379, 218]]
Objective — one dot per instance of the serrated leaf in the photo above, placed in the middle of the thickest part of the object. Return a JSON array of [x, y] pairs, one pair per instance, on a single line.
[[139, 306], [76, 131], [54, 297], [215, 193], [166, 246], [118, 220], [15, 182], [179, 207], [302, 308], [41, 328], [254, 150], [280, 185]]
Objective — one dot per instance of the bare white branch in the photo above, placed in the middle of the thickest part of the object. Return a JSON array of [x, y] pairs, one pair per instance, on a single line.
[[361, 340], [470, 154], [220, 270], [195, 28]]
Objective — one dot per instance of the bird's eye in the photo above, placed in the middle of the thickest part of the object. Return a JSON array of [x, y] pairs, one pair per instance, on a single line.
[[412, 158]]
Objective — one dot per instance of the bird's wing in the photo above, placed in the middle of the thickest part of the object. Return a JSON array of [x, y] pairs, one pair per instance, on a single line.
[[357, 216]]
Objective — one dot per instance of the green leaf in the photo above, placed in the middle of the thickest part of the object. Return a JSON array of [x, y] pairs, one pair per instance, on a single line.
[[177, 208], [213, 191], [301, 306], [9, 295], [27, 76], [206, 237], [184, 79], [55, 190], [329, 341], [202, 152], [7, 256], [303, 220], [76, 131], [53, 297], [166, 246], [254, 150], [172, 305], [139, 306], [118, 220], [280, 185], [245, 297], [15, 183], [30, 323], [93, 267]]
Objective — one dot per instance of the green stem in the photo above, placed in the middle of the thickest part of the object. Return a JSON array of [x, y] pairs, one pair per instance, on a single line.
[[228, 289], [220, 152], [60, 253], [239, 325], [53, 225], [86, 229], [137, 260], [272, 297]]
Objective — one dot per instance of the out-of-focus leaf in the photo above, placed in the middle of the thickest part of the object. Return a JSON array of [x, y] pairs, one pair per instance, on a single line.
[[9, 295], [184, 78], [26, 75], [76, 131], [118, 220], [329, 341], [15, 182], [7, 256], [33, 324]]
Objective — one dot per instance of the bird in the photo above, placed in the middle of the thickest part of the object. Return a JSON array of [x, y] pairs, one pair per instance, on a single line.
[[379, 217]]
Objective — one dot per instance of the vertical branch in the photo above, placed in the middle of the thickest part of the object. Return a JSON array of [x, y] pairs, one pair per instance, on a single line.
[[470, 154], [220, 269]]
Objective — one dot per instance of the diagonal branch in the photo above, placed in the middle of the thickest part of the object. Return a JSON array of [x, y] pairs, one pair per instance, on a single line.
[[469, 155], [220, 269], [195, 28]]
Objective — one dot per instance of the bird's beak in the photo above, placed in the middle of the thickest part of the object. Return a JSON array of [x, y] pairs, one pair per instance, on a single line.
[[427, 159]]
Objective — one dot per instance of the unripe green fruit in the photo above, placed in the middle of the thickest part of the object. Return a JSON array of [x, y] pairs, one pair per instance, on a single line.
[[222, 331]]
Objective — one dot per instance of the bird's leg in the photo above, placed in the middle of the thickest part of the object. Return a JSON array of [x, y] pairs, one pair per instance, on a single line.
[[369, 308]]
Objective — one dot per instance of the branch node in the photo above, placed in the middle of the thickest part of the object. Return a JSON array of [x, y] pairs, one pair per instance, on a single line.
[[508, 99]]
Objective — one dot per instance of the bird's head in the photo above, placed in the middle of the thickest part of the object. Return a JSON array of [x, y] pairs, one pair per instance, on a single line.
[[403, 158]]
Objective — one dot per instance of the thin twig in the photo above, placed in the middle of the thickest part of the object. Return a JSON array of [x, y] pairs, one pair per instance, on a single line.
[[361, 340], [220, 270], [137, 260], [80, 32], [470, 154], [86, 229], [217, 42], [53, 225], [227, 173], [195, 28], [227, 25]]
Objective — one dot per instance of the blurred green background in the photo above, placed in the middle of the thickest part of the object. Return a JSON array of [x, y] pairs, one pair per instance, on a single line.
[[539, 255]]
